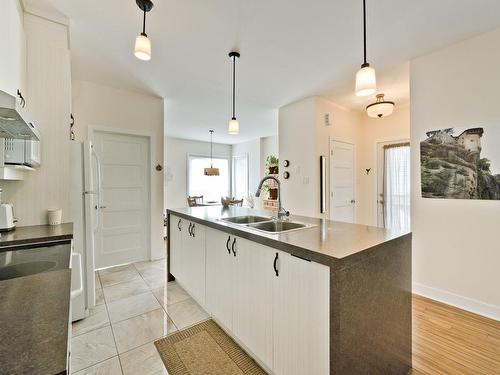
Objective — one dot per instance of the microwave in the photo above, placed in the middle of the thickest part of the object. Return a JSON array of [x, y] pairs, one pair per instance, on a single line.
[[22, 152]]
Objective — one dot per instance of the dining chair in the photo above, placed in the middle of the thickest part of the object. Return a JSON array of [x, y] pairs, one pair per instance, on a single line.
[[236, 202], [195, 200]]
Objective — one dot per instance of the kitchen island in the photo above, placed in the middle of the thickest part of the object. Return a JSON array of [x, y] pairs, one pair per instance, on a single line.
[[328, 298]]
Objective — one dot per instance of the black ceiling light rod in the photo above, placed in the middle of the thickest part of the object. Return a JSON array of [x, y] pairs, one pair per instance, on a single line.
[[366, 80], [364, 34], [145, 6], [234, 55]]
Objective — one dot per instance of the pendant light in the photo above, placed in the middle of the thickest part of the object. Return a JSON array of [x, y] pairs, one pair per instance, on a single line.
[[381, 108], [234, 126], [142, 48], [211, 171], [366, 81]]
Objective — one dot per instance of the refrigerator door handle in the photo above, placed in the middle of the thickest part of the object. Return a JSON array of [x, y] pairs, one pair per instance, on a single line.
[[98, 206]]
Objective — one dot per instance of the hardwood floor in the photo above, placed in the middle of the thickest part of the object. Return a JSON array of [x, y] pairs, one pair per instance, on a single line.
[[447, 340]]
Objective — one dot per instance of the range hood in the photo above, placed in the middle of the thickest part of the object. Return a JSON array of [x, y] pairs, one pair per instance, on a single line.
[[12, 121]]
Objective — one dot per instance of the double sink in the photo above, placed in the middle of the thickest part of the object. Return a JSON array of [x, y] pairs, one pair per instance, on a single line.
[[266, 224]]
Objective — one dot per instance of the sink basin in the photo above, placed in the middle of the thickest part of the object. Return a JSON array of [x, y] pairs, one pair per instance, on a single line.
[[277, 226], [246, 219]]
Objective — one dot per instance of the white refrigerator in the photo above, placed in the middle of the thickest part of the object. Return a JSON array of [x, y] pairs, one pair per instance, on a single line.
[[86, 202]]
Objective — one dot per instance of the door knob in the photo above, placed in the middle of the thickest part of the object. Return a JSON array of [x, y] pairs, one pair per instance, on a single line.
[[353, 201]]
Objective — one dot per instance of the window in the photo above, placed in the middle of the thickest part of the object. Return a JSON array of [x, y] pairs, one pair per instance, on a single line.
[[211, 187], [397, 187], [240, 176]]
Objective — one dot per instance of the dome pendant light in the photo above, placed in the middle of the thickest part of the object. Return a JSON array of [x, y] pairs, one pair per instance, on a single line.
[[234, 126], [380, 108], [366, 81], [142, 48], [211, 171]]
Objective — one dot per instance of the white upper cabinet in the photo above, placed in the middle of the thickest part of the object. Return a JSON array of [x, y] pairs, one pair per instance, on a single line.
[[13, 51]]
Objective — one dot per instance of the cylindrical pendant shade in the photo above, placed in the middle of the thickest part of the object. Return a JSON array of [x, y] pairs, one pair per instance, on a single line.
[[211, 171], [142, 48], [233, 127], [366, 81]]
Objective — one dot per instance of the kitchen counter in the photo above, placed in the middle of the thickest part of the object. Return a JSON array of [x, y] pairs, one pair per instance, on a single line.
[[36, 234], [34, 323], [332, 243], [369, 277]]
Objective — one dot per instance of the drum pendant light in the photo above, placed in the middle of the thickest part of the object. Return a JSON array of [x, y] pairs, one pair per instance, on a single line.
[[211, 171], [366, 81], [234, 126], [142, 48], [381, 108]]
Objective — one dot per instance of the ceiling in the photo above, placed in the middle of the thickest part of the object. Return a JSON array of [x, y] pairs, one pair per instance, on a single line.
[[290, 50]]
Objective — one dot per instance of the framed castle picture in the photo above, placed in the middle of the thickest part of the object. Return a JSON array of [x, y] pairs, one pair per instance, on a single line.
[[461, 163]]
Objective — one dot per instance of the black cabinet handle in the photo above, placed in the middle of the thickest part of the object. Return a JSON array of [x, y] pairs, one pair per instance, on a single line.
[[189, 229], [232, 246], [227, 245], [274, 265], [192, 231], [179, 225], [22, 102]]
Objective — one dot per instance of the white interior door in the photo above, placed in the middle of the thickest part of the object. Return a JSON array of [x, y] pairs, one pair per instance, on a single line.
[[342, 201], [123, 235]]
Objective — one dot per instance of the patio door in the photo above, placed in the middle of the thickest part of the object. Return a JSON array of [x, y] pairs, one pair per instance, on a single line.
[[393, 201]]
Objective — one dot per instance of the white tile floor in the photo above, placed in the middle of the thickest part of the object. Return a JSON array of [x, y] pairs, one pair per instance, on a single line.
[[134, 307]]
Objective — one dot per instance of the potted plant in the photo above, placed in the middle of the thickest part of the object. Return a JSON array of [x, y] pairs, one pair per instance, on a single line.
[[272, 163]]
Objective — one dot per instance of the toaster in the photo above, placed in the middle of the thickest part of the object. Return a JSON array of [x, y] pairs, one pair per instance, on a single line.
[[7, 220]]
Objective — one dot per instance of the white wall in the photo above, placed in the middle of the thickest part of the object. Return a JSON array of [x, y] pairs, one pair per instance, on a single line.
[[176, 153], [456, 247], [297, 143], [48, 104], [303, 138], [98, 107]]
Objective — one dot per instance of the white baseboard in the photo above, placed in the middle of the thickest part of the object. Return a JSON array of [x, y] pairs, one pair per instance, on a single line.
[[464, 303]]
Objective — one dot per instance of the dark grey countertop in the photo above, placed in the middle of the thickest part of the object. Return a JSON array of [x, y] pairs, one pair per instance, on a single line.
[[328, 242], [34, 319], [36, 234]]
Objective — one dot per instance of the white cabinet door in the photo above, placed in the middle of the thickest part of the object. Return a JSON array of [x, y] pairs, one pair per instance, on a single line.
[[13, 51], [4, 42], [301, 317], [253, 304], [18, 52], [187, 256], [175, 240], [220, 273], [195, 261]]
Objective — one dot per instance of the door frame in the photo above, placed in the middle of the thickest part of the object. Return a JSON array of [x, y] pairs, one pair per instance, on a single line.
[[152, 152], [329, 171], [379, 171]]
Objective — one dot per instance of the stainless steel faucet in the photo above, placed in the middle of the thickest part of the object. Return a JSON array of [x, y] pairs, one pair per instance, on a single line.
[[281, 211]]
